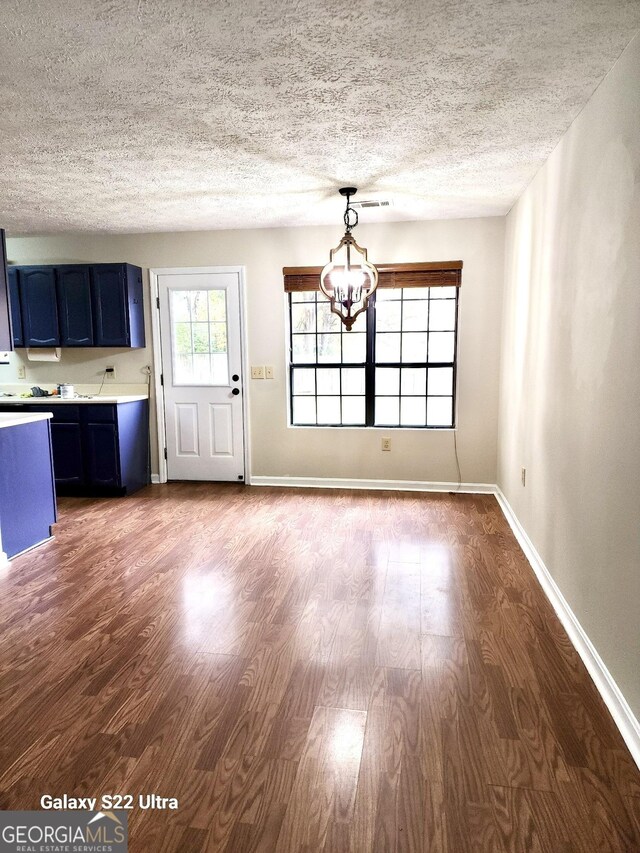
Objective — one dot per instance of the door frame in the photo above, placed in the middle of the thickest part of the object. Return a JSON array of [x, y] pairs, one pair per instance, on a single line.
[[158, 369]]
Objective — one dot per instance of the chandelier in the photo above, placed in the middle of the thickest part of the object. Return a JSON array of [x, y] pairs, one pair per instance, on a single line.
[[348, 280]]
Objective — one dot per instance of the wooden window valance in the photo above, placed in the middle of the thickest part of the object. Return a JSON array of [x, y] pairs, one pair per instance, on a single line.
[[429, 274]]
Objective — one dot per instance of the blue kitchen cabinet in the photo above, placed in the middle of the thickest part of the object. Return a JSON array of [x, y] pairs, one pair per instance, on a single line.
[[118, 307], [39, 306], [14, 307], [75, 311], [77, 305], [98, 448]]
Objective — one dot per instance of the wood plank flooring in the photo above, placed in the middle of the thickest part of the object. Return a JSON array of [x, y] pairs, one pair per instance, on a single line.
[[305, 670]]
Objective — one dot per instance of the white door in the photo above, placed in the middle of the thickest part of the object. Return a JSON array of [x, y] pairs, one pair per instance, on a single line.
[[202, 370]]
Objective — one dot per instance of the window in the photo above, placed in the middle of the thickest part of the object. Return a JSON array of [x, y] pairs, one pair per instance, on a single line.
[[395, 368]]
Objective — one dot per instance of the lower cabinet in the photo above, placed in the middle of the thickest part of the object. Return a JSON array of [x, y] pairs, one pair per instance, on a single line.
[[98, 448]]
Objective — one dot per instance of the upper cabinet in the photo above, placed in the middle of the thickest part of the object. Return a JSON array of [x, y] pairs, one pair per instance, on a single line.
[[77, 305], [117, 301]]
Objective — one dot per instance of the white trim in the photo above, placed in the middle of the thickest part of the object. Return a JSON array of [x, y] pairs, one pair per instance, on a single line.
[[155, 480], [161, 477], [394, 485], [157, 372], [618, 706]]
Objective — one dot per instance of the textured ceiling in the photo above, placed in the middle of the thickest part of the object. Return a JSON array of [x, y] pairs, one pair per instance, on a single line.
[[196, 114]]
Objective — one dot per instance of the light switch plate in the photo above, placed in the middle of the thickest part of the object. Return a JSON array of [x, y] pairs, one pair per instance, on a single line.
[[257, 372], [268, 371]]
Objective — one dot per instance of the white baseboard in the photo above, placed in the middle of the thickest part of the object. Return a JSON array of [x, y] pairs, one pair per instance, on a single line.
[[382, 485], [155, 479], [618, 706]]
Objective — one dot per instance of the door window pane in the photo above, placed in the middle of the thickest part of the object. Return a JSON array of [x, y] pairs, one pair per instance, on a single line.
[[198, 320]]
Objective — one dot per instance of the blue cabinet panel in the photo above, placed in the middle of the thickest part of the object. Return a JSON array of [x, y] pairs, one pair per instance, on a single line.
[[136, 310], [27, 496], [109, 287], [14, 306], [39, 309], [102, 458], [74, 306]]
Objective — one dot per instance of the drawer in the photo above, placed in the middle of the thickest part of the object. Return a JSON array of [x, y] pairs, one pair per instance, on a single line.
[[100, 413]]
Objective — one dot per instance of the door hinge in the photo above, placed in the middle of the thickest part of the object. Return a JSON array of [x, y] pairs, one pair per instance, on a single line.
[[157, 302], [162, 379], [165, 453]]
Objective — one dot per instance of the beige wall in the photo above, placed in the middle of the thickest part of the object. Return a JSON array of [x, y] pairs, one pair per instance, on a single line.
[[570, 393], [277, 450]]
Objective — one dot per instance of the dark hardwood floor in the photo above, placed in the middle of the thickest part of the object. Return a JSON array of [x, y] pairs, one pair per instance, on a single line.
[[305, 670]]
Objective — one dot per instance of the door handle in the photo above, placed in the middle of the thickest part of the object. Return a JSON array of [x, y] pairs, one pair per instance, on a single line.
[[235, 391], [235, 377]]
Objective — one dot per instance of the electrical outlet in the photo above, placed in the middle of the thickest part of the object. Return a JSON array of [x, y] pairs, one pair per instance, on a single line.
[[257, 372], [22, 372], [268, 371], [386, 444], [523, 476], [110, 373]]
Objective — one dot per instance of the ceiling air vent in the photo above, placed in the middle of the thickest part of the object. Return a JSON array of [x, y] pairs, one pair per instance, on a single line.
[[361, 205]]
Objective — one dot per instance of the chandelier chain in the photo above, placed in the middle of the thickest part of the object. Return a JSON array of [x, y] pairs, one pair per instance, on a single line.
[[350, 216]]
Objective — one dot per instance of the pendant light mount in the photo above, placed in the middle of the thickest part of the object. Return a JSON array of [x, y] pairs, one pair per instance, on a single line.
[[348, 280]]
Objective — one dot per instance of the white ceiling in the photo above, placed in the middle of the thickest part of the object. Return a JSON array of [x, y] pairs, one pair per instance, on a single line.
[[195, 114]]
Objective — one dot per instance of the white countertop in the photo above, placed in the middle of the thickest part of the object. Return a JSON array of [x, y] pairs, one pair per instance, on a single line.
[[8, 419], [56, 400]]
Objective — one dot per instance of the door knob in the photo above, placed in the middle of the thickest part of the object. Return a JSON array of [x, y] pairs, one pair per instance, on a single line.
[[235, 377], [235, 391]]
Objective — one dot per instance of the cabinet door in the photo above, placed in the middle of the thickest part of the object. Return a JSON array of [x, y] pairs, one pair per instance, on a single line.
[[74, 306], [14, 307], [66, 443], [102, 459], [39, 309], [109, 292]]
